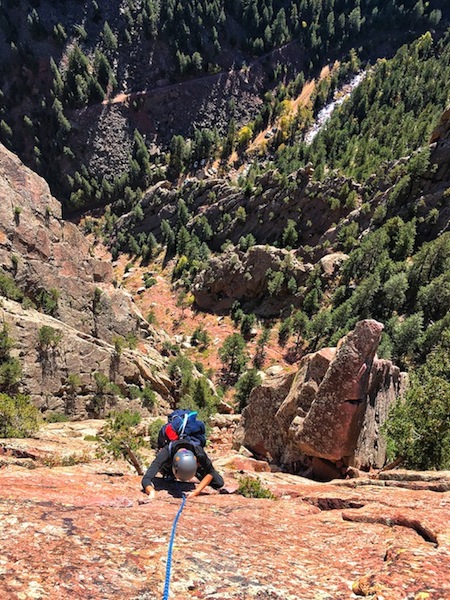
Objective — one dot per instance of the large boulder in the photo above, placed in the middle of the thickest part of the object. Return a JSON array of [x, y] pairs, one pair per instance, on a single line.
[[328, 416], [244, 276], [331, 427]]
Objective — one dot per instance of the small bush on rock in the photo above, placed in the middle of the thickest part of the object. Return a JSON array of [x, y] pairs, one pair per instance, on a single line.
[[56, 417], [250, 487], [153, 431], [119, 439]]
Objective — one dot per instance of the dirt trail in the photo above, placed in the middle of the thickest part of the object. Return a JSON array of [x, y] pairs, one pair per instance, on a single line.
[[126, 96]]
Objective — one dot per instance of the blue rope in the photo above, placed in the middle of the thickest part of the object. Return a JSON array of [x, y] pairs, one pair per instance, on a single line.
[[169, 553]]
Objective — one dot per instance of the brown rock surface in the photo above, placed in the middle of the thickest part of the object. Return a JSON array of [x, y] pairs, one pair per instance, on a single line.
[[332, 409], [46, 370], [91, 312], [52, 253], [227, 278], [331, 427], [83, 532]]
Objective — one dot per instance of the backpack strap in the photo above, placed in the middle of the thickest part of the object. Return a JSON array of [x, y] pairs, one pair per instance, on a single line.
[[183, 427], [186, 417]]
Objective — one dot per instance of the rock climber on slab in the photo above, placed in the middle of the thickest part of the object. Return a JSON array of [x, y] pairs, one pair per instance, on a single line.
[[184, 460]]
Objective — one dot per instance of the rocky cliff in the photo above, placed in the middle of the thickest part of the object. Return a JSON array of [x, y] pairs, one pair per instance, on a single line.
[[268, 206], [244, 276], [50, 257], [50, 265], [326, 417]]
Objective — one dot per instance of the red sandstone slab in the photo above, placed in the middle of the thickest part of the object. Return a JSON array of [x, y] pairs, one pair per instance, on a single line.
[[74, 533]]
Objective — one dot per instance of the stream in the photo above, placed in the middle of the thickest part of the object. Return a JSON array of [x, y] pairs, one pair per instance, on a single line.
[[326, 112]]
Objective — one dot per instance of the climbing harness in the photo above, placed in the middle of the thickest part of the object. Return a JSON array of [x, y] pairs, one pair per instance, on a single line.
[[169, 553]]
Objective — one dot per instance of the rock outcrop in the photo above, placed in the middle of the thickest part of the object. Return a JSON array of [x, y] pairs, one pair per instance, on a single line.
[[331, 426], [328, 416], [264, 211], [245, 276], [61, 377], [47, 255], [73, 294]]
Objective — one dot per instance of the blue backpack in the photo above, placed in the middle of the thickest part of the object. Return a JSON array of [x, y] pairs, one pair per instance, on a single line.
[[182, 425]]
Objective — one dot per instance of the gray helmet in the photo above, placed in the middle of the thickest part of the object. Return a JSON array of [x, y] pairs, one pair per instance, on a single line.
[[184, 464]]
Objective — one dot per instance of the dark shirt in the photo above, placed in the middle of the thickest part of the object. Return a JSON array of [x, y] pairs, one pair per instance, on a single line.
[[164, 459]]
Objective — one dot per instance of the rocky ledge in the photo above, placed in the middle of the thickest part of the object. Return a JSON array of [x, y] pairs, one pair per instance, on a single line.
[[87, 531]]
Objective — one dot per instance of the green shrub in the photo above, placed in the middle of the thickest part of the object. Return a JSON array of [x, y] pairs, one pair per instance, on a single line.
[[48, 301], [250, 487], [148, 397], [249, 380], [146, 394], [119, 438], [119, 344], [74, 382], [418, 428], [151, 317], [153, 431], [55, 417], [131, 340], [8, 287], [48, 336], [200, 338], [6, 343], [18, 416], [134, 391], [10, 373], [149, 280], [27, 303], [10, 368], [180, 372], [17, 213]]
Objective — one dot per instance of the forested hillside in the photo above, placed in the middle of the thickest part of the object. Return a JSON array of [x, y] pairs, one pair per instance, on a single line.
[[62, 60], [391, 113]]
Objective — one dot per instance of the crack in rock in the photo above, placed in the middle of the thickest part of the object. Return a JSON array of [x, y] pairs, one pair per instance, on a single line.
[[390, 521], [332, 503]]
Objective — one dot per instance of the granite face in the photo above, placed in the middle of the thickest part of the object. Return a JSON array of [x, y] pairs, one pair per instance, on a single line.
[[43, 254]]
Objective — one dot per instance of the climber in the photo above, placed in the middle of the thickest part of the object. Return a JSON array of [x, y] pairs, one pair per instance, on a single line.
[[186, 461]]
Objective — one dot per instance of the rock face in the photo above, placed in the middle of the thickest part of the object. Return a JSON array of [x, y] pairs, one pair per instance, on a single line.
[[328, 416], [48, 258], [47, 370], [52, 254], [267, 210], [85, 531], [331, 427], [244, 276]]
